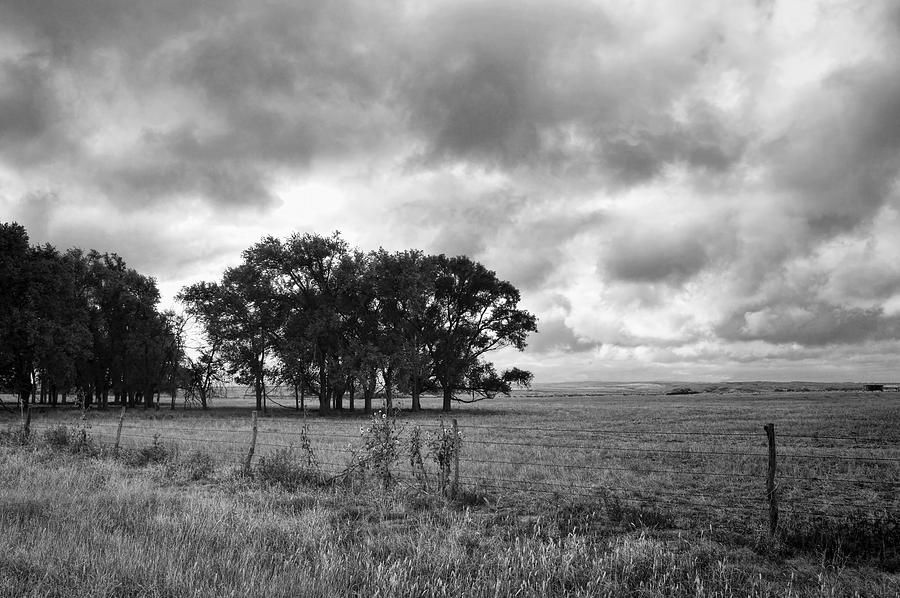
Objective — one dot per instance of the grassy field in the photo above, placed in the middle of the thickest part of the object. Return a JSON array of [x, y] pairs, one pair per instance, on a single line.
[[570, 490]]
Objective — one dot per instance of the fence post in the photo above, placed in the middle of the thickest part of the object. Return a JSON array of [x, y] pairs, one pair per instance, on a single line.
[[457, 445], [26, 420], [119, 429], [771, 488], [252, 446]]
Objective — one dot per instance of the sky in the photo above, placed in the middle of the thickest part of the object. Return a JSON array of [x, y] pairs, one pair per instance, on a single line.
[[680, 190]]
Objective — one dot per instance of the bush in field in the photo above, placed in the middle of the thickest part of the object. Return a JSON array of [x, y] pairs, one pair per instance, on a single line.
[[443, 448], [381, 448], [283, 468], [155, 453], [198, 466], [74, 440], [57, 437]]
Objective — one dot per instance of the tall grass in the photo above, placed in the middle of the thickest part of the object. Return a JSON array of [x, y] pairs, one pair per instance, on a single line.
[[86, 526], [168, 516]]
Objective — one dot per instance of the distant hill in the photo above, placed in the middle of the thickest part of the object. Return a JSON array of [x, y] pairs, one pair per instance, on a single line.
[[596, 387]]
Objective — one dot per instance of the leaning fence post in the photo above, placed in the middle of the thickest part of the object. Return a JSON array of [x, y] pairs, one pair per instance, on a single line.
[[457, 445], [252, 445], [771, 488], [119, 429]]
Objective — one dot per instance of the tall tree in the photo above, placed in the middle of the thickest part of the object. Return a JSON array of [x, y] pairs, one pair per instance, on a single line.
[[475, 313], [17, 346], [309, 276], [407, 313], [243, 313]]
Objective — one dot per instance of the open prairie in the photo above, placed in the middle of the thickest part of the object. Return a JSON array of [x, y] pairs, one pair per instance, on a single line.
[[565, 489]]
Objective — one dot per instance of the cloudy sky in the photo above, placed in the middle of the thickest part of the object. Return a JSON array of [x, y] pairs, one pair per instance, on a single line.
[[681, 190]]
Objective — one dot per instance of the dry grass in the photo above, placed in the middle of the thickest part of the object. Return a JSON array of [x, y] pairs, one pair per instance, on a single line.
[[83, 523]]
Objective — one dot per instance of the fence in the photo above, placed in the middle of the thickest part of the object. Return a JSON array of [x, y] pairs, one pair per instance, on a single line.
[[758, 478]]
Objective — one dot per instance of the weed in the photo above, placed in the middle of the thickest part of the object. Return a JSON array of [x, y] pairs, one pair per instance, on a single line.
[[57, 437], [416, 462], [444, 447], [282, 468], [199, 465], [155, 453], [380, 450]]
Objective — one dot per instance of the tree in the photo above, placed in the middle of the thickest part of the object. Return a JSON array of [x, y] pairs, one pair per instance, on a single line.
[[475, 313], [309, 275], [244, 315], [17, 351], [406, 308], [43, 317]]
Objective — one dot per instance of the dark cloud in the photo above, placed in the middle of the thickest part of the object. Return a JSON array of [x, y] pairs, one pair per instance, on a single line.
[[651, 256], [637, 154], [459, 223], [554, 335], [70, 32], [810, 324], [30, 113], [513, 84], [841, 157]]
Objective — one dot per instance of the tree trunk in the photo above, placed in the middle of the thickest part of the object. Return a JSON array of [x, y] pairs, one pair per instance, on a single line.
[[352, 392], [296, 398], [416, 404], [388, 383], [337, 394], [369, 391], [257, 387], [448, 397], [324, 399]]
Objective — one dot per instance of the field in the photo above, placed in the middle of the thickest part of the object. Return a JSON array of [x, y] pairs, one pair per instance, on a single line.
[[562, 490]]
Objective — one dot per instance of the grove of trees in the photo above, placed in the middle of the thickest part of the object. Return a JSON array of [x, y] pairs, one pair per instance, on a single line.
[[331, 321], [82, 324], [307, 313]]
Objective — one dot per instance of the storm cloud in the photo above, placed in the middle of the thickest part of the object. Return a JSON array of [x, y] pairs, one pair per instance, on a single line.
[[684, 189]]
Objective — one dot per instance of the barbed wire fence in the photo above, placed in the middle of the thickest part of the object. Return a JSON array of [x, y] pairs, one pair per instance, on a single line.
[[741, 475]]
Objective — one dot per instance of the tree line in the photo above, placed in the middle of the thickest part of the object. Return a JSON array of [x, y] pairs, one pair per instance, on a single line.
[[83, 324], [308, 313]]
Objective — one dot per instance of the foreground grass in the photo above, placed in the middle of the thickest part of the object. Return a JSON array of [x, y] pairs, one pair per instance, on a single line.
[[91, 525]]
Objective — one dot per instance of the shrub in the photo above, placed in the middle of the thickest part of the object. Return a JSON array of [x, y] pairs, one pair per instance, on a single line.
[[198, 466], [443, 448], [283, 468], [155, 453], [57, 437], [381, 448]]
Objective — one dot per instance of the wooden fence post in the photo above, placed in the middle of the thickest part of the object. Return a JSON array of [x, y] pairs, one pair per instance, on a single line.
[[119, 429], [457, 445], [26, 420], [252, 446], [771, 488]]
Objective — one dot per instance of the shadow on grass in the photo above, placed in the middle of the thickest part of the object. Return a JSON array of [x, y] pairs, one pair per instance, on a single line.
[[860, 538]]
